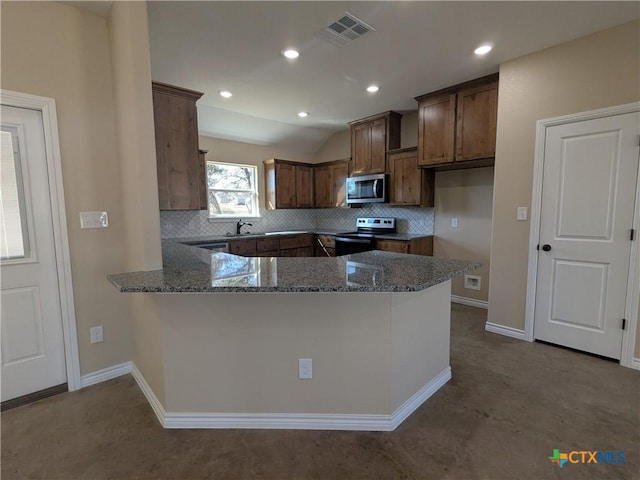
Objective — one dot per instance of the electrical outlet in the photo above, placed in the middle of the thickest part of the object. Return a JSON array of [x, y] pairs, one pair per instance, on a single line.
[[96, 334], [454, 223], [472, 282], [305, 368]]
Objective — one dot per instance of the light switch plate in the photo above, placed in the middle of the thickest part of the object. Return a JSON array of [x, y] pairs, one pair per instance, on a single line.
[[523, 213], [94, 220], [454, 223]]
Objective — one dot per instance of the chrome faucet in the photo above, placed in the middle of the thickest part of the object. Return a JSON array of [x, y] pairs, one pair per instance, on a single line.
[[241, 224]]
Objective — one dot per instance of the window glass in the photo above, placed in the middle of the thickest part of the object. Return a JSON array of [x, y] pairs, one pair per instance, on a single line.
[[233, 190], [13, 232]]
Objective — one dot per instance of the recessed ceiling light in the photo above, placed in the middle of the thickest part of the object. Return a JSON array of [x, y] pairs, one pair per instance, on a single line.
[[483, 49], [373, 88], [303, 114], [291, 53], [225, 93]]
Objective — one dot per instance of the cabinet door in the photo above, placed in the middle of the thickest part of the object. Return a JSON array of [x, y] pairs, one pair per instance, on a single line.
[[405, 180], [243, 247], [176, 132], [338, 178], [476, 122], [436, 126], [285, 185], [396, 246], [304, 186], [204, 190], [361, 148], [378, 135], [322, 181]]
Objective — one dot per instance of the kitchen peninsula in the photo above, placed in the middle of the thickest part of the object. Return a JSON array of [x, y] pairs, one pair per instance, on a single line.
[[375, 324]]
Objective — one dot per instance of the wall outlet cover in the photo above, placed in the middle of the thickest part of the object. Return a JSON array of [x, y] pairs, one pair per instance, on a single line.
[[472, 282], [305, 368], [454, 223], [96, 334]]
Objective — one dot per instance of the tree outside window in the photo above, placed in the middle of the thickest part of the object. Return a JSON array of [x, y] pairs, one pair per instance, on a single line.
[[232, 190]]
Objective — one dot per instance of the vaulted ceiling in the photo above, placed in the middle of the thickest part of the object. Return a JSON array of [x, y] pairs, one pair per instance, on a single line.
[[416, 47]]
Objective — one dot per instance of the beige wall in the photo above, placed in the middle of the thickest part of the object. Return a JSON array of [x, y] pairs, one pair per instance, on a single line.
[[57, 51], [592, 72], [337, 147], [409, 130], [127, 23], [220, 150], [468, 196]]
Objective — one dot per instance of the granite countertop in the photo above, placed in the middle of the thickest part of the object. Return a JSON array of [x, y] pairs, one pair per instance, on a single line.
[[192, 269], [318, 231]]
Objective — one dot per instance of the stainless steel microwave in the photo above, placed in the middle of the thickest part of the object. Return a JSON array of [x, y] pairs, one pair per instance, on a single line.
[[367, 189]]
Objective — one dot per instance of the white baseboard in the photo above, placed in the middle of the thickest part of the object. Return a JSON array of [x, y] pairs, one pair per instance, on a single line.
[[470, 302], [292, 421], [157, 407], [635, 363], [105, 374], [504, 330]]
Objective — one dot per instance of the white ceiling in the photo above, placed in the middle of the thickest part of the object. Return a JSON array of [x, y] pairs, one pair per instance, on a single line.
[[417, 47]]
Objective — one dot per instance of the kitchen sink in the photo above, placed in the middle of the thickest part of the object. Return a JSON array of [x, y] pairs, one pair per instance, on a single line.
[[236, 235]]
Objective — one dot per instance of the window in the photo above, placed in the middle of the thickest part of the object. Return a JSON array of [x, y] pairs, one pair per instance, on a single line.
[[232, 190]]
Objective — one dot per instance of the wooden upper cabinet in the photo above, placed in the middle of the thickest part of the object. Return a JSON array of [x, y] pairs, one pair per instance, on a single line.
[[476, 122], [304, 186], [458, 124], [181, 184], [436, 129], [323, 187], [330, 184], [371, 137], [288, 184], [410, 184]]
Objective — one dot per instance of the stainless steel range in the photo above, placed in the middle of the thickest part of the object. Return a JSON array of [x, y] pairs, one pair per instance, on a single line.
[[364, 238]]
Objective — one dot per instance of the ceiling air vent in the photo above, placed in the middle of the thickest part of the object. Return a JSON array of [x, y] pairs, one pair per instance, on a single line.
[[344, 30]]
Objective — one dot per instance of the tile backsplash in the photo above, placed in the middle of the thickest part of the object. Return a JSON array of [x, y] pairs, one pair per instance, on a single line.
[[195, 223]]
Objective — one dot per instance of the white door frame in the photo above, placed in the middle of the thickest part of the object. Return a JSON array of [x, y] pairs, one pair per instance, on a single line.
[[60, 236], [633, 282]]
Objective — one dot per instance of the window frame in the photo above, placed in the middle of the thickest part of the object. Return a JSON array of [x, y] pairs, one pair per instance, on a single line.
[[252, 192]]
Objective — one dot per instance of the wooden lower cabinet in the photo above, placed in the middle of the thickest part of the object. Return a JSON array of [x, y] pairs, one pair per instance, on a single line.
[[416, 246], [276, 246], [325, 246], [246, 247]]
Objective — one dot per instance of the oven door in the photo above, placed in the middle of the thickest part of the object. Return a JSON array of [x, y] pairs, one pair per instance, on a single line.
[[355, 244]]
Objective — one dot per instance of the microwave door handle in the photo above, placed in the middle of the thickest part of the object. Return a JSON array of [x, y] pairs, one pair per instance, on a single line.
[[376, 193]]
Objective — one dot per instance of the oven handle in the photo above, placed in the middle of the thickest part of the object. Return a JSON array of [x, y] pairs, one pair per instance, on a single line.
[[354, 240]]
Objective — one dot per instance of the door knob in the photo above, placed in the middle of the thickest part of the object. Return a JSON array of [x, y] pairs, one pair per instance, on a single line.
[[546, 247]]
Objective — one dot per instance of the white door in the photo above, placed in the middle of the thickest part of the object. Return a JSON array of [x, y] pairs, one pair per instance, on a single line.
[[588, 192], [32, 345]]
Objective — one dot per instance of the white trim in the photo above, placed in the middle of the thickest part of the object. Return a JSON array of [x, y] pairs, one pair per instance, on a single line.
[[470, 302], [635, 363], [156, 406], [105, 374], [633, 291], [506, 331], [292, 421], [633, 285], [61, 239]]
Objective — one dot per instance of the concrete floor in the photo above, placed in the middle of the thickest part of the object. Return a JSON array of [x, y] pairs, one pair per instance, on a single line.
[[509, 404]]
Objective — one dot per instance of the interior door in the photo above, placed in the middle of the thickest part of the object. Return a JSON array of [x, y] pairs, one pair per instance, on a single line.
[[32, 346], [589, 180]]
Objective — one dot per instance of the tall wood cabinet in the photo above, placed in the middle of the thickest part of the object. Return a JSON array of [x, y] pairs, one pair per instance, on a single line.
[[330, 184], [181, 180], [410, 184], [457, 125], [371, 137], [288, 184]]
